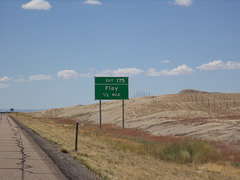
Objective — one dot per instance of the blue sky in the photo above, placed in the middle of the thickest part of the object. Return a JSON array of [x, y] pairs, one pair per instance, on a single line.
[[50, 50]]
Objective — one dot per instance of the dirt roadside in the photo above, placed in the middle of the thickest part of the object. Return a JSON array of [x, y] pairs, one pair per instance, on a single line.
[[70, 167]]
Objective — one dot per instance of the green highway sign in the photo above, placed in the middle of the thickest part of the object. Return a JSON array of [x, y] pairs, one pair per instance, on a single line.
[[111, 88]]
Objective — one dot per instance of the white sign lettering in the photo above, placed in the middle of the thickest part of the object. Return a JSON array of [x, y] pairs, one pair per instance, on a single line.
[[111, 88]]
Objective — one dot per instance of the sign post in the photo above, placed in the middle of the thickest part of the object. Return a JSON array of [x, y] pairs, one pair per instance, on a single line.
[[100, 111], [111, 88], [123, 112]]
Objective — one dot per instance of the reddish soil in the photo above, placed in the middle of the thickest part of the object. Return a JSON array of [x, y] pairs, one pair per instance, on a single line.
[[117, 131], [231, 151]]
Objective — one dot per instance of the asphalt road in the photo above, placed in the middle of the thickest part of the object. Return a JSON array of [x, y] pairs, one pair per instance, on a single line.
[[20, 157]]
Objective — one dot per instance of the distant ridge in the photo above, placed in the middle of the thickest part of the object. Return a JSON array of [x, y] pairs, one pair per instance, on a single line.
[[191, 91]]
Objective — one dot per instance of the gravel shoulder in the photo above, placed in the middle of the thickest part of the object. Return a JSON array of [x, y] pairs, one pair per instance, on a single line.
[[71, 168]]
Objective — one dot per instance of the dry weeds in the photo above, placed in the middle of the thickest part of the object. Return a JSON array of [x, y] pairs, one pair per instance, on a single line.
[[100, 151]]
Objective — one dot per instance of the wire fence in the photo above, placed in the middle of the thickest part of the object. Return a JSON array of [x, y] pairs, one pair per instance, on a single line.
[[200, 98]]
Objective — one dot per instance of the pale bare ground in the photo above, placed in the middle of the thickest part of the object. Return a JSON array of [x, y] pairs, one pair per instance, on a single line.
[[208, 116]]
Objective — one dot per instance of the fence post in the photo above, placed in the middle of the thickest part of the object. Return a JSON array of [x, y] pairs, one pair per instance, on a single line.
[[76, 139]]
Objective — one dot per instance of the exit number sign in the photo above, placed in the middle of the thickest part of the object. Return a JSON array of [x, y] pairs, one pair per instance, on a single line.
[[111, 88]]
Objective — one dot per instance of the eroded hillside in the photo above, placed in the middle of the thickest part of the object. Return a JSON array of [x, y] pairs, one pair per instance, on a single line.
[[212, 116]]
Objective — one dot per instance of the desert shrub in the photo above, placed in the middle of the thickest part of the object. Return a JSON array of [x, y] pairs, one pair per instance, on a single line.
[[64, 150], [236, 164], [190, 151], [185, 151]]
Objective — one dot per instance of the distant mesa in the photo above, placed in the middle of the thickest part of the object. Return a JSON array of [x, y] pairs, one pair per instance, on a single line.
[[191, 91]]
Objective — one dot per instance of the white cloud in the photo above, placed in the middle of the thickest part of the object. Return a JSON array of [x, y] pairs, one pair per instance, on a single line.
[[3, 85], [37, 5], [121, 72], [183, 2], [165, 61], [180, 70], [39, 77], [5, 79], [72, 74], [92, 2], [219, 65], [20, 80], [88, 75], [68, 74]]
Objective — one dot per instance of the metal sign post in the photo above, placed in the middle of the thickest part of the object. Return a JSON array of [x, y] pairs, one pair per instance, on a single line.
[[123, 112], [100, 113]]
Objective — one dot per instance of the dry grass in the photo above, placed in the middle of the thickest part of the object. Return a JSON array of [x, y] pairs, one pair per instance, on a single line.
[[118, 154]]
